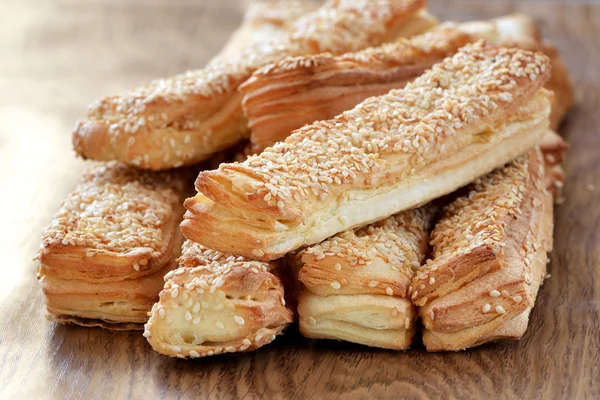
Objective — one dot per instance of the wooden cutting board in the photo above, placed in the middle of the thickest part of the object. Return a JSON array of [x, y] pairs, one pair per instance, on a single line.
[[57, 57]]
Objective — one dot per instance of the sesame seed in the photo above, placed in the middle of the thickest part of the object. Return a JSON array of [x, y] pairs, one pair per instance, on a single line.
[[194, 353], [219, 325], [335, 285], [230, 349], [373, 284], [175, 293], [500, 310], [246, 342], [389, 291], [486, 308], [494, 293], [239, 320], [188, 316], [517, 299], [312, 321], [338, 266], [161, 313]]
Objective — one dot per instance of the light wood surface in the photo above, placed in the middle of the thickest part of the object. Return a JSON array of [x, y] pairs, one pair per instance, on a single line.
[[59, 56]]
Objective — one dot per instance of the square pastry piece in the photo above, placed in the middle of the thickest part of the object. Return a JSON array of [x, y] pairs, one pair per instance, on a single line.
[[488, 260], [356, 283], [103, 258], [217, 303]]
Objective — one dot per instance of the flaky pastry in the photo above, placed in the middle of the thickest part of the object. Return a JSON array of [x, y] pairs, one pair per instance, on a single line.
[[488, 258], [467, 115], [187, 118], [217, 303], [118, 226], [356, 282], [282, 97]]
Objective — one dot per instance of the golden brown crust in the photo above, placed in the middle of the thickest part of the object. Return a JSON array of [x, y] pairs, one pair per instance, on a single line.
[[489, 255], [117, 224], [376, 259], [297, 91], [121, 305], [464, 117], [217, 303], [103, 257], [356, 282], [187, 118]]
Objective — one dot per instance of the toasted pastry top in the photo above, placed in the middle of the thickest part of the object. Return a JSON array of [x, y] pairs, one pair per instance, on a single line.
[[476, 228], [187, 101], [124, 220], [376, 259]]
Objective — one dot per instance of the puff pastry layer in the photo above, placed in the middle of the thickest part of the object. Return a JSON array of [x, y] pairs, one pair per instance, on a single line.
[[297, 91], [217, 303], [186, 118], [356, 283], [119, 227], [488, 258], [282, 97], [467, 115]]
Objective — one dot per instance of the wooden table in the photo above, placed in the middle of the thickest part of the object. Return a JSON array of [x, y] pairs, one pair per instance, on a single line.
[[57, 57]]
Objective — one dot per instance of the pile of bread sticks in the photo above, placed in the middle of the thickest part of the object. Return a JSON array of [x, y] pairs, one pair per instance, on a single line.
[[361, 168]]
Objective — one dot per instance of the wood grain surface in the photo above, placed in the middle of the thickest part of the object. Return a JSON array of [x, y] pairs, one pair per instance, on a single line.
[[57, 57]]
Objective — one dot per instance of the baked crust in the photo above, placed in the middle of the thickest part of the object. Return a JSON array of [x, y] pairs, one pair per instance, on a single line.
[[118, 224], [103, 257], [217, 303], [356, 283], [186, 118], [296, 91], [464, 117], [121, 305], [488, 258]]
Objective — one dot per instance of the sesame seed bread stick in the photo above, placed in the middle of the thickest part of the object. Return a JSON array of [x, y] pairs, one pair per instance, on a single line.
[[217, 303], [356, 282], [186, 118], [297, 91], [467, 115], [488, 258], [116, 232]]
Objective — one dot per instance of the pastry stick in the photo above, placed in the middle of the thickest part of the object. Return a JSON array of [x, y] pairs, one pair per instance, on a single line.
[[461, 119], [217, 303], [186, 118], [488, 258], [297, 91], [103, 256], [356, 283]]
